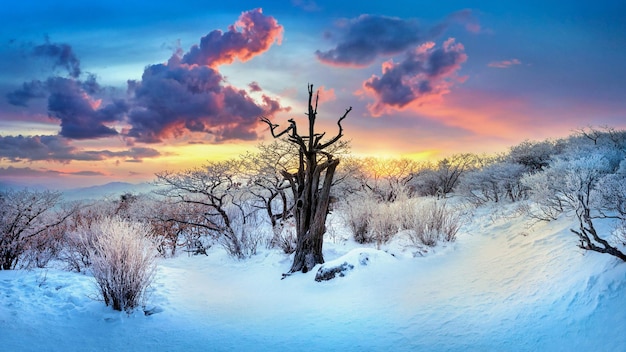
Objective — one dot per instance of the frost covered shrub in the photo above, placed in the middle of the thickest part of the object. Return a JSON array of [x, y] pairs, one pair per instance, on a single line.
[[25, 220], [372, 221], [78, 238], [433, 222], [383, 223], [357, 215], [495, 182], [123, 262], [284, 237], [241, 236]]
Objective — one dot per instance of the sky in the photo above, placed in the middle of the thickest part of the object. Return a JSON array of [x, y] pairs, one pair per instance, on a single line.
[[101, 91]]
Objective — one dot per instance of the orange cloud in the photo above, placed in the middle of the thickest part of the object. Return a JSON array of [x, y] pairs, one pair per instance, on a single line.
[[326, 95], [252, 34], [425, 75]]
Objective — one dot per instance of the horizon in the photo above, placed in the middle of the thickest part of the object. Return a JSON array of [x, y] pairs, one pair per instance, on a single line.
[[103, 92]]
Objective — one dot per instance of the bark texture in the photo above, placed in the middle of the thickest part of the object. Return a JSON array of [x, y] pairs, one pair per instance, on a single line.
[[310, 184]]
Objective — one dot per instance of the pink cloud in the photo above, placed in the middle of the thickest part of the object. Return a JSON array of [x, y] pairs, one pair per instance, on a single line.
[[251, 35], [426, 73], [326, 95], [504, 63]]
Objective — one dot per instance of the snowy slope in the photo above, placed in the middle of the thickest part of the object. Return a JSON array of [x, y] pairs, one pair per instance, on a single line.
[[503, 286]]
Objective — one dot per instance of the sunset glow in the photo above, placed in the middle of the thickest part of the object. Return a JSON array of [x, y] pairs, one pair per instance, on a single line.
[[99, 92]]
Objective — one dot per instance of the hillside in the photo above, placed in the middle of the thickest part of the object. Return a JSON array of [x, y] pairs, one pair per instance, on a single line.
[[506, 284]]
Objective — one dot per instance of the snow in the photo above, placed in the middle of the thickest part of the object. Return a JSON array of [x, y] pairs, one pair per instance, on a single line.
[[506, 284]]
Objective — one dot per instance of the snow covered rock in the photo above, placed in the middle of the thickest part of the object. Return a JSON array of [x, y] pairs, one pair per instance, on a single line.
[[356, 258]]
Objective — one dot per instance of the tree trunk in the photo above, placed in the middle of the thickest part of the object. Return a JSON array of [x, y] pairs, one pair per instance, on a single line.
[[311, 201], [310, 241]]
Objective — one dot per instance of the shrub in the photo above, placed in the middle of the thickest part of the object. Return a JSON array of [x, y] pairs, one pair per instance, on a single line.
[[433, 222], [371, 221], [123, 262], [357, 215], [25, 215]]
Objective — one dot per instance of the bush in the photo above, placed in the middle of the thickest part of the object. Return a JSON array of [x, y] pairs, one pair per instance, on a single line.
[[433, 222], [371, 221], [25, 218], [123, 262], [358, 215]]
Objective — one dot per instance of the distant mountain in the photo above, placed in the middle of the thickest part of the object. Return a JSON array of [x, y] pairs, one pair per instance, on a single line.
[[109, 190]]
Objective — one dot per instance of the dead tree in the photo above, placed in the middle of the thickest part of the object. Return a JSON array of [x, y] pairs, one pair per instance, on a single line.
[[310, 185]]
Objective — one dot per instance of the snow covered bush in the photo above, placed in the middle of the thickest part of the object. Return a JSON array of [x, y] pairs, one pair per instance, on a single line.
[[370, 221], [431, 222], [123, 262], [443, 178], [589, 183], [383, 224], [357, 215], [243, 235], [77, 237], [24, 216], [497, 181], [284, 237]]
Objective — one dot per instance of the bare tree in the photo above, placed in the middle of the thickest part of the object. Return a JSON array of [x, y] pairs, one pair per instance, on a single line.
[[23, 215], [265, 182], [310, 184], [216, 189], [387, 179]]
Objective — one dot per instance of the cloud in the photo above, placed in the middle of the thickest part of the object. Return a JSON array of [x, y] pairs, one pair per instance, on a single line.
[[186, 94], [306, 5], [29, 90], [251, 35], [81, 116], [70, 100], [504, 63], [173, 99], [425, 73], [59, 149], [61, 54], [326, 95], [30, 172], [465, 17], [360, 41], [255, 87], [363, 39]]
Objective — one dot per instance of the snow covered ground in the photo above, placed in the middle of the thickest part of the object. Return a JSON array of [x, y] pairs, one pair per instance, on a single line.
[[503, 286]]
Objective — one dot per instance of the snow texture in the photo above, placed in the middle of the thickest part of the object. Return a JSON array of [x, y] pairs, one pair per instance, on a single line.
[[503, 286], [356, 258]]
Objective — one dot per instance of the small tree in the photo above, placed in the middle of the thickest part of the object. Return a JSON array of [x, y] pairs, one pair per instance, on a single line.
[[24, 215], [216, 190], [310, 184], [267, 186], [589, 186]]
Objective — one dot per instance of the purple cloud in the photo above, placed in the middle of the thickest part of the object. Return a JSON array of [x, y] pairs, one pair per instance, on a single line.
[[187, 94], [81, 116], [425, 73], [173, 99], [30, 172], [360, 41], [59, 149], [255, 87], [61, 54], [251, 35], [29, 90], [366, 37]]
